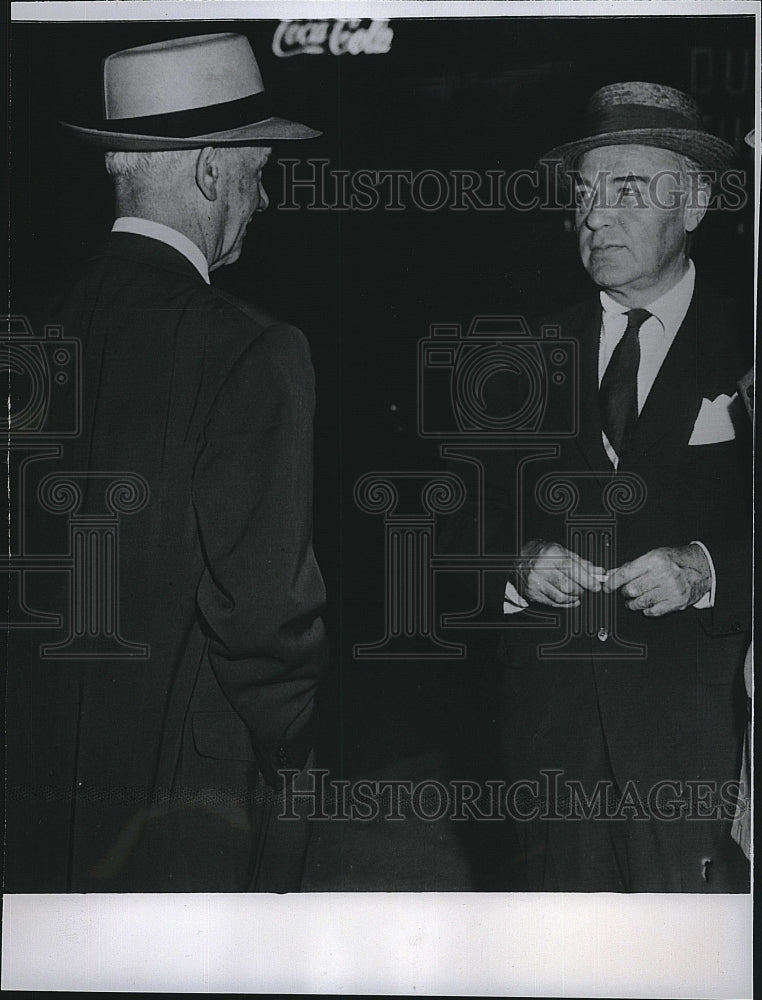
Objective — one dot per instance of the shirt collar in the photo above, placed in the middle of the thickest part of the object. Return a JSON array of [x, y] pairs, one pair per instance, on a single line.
[[165, 234], [669, 309]]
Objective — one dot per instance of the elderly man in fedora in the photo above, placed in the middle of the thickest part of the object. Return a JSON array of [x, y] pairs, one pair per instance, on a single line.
[[628, 619], [158, 768]]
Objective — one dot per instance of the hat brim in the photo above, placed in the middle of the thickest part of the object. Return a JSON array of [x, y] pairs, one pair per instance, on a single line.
[[258, 134], [710, 152]]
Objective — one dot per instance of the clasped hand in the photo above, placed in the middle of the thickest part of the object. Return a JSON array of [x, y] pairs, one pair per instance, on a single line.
[[663, 580]]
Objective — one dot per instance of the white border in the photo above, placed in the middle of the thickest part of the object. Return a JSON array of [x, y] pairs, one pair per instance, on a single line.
[[223, 10], [446, 944]]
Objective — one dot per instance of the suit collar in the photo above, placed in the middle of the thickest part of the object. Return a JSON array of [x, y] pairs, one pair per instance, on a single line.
[[151, 252], [583, 411], [164, 234]]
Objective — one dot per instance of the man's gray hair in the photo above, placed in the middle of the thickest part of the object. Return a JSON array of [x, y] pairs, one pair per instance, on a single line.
[[133, 164], [145, 164], [699, 182], [694, 172]]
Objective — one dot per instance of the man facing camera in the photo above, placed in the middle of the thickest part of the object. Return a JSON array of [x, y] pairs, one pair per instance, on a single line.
[[623, 706], [144, 748]]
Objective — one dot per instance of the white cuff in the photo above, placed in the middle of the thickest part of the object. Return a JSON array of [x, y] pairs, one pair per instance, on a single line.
[[707, 601], [513, 602]]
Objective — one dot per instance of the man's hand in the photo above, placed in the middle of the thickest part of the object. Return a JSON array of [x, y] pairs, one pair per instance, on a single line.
[[663, 580], [553, 575]]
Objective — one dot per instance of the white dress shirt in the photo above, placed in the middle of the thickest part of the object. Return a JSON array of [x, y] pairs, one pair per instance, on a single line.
[[656, 336], [164, 234]]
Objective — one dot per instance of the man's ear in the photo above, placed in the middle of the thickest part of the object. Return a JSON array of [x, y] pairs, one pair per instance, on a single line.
[[208, 172]]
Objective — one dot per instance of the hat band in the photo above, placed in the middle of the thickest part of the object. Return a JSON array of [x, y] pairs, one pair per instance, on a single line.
[[193, 121], [622, 117]]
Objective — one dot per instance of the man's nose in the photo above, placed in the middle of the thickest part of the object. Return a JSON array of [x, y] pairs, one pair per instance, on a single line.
[[598, 215], [264, 200]]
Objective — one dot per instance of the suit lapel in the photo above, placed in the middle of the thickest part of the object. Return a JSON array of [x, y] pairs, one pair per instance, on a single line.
[[588, 440]]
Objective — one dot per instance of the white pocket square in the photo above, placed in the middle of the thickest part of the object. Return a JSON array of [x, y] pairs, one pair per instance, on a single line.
[[714, 422], [513, 602]]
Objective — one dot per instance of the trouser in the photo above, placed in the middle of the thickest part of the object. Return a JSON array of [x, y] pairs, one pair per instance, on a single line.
[[632, 854], [282, 819], [584, 830]]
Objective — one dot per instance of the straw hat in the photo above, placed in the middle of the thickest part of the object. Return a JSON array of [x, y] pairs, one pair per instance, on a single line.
[[185, 93], [647, 114]]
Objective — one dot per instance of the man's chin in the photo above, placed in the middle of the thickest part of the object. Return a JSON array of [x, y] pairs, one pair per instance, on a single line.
[[605, 274]]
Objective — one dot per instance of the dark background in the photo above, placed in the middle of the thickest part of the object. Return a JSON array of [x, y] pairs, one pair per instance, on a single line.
[[479, 94]]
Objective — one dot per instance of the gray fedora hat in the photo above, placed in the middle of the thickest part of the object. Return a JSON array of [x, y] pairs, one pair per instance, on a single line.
[[185, 93], [647, 114]]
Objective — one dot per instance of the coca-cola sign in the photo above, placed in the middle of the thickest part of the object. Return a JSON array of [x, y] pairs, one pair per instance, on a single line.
[[358, 36]]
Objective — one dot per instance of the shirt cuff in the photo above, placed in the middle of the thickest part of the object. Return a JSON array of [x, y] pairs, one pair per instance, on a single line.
[[707, 601], [513, 602]]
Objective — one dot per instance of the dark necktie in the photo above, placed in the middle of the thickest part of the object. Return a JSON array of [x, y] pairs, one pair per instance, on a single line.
[[618, 394]]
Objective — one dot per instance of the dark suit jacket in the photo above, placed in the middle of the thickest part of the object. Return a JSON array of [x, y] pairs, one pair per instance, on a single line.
[[140, 773], [671, 714]]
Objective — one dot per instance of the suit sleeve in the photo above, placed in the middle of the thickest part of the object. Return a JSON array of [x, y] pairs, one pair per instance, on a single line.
[[489, 508], [723, 471], [261, 594], [725, 524]]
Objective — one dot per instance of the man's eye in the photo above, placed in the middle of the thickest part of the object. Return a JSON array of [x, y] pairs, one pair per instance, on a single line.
[[631, 191]]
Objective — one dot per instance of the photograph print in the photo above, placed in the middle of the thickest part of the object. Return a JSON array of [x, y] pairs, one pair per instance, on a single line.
[[380, 455]]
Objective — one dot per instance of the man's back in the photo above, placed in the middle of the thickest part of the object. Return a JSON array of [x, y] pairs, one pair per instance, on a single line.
[[149, 729]]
